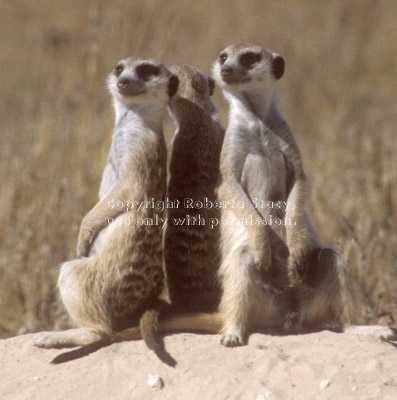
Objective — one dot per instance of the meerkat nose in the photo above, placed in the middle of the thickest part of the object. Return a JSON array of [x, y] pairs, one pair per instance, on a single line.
[[123, 83], [226, 70]]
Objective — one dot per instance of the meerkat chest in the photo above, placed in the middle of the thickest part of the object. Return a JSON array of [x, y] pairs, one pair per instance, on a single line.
[[259, 139], [264, 166], [119, 150], [121, 144], [270, 146]]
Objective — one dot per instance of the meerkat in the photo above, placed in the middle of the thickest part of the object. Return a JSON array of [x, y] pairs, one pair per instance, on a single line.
[[257, 296], [192, 235], [191, 251], [274, 272], [119, 271]]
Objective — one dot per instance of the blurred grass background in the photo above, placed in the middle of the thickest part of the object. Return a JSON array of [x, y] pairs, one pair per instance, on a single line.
[[56, 120]]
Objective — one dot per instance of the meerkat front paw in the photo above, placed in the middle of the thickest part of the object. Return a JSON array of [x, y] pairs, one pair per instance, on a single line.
[[86, 237], [233, 338], [82, 250], [292, 322], [84, 244]]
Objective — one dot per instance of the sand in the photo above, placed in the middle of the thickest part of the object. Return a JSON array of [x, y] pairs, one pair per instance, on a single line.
[[322, 365]]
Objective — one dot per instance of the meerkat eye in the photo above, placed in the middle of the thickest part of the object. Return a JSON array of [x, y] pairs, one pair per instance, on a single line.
[[118, 70], [249, 59], [222, 58], [145, 71]]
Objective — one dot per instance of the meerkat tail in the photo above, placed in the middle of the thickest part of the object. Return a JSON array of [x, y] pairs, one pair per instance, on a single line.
[[173, 323], [148, 326], [147, 330], [204, 323], [200, 322], [125, 335]]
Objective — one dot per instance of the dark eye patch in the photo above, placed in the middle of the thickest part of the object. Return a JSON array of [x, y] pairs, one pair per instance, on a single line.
[[249, 59], [145, 71], [118, 69], [222, 58]]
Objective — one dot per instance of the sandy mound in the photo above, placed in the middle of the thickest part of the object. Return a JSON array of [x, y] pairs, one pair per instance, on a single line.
[[321, 365]]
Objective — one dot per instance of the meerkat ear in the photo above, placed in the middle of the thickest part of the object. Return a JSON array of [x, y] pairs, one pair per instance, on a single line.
[[211, 85], [278, 66], [173, 84]]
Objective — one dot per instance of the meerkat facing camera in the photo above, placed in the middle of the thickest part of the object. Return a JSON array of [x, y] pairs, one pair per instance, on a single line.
[[273, 274], [192, 247], [120, 269], [270, 299]]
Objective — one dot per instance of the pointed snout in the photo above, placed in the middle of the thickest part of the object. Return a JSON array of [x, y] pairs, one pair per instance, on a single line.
[[226, 71], [128, 86], [123, 83]]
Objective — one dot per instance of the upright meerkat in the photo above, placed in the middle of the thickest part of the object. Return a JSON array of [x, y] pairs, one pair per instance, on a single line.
[[119, 271], [275, 272], [192, 238], [264, 298]]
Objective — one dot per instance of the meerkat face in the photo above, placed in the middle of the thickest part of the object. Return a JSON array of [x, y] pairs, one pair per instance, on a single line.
[[194, 87], [245, 67], [135, 81]]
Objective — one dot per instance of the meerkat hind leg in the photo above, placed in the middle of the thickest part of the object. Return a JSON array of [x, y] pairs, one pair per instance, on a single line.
[[331, 303], [235, 300], [69, 338], [83, 309], [239, 275]]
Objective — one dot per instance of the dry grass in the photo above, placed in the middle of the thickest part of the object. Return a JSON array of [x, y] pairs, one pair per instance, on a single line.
[[338, 95]]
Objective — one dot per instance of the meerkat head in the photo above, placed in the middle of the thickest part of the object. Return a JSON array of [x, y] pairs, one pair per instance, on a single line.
[[245, 67], [195, 87], [140, 81]]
